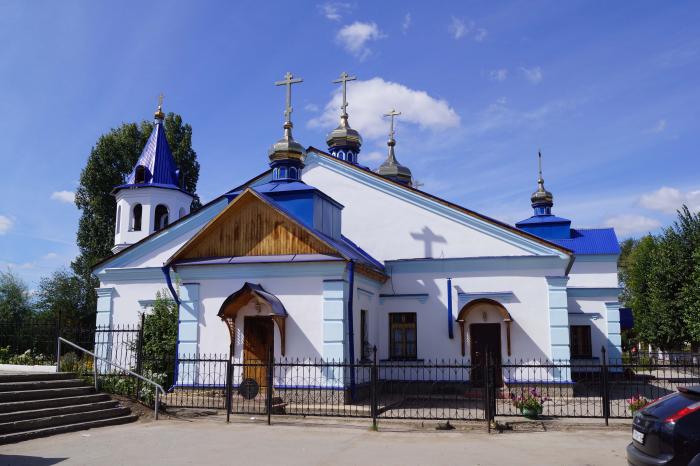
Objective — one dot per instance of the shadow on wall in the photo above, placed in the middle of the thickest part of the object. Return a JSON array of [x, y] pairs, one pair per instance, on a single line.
[[429, 238]]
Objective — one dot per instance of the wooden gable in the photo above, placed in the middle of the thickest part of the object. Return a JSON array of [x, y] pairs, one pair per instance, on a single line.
[[250, 226]]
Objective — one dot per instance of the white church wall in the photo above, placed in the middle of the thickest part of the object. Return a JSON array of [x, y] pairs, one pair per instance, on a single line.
[[594, 271], [592, 311], [401, 229], [525, 298]]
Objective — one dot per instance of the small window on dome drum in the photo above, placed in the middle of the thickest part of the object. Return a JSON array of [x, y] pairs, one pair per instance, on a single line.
[[161, 220], [140, 174], [136, 218]]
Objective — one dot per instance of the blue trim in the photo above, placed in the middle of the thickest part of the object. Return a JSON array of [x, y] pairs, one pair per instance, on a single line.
[[351, 328], [458, 265], [432, 205], [581, 292], [422, 297], [450, 318]]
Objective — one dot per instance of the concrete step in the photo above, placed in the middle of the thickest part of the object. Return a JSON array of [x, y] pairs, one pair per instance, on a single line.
[[40, 384], [57, 411], [30, 377], [12, 406], [24, 395], [63, 419], [26, 435]]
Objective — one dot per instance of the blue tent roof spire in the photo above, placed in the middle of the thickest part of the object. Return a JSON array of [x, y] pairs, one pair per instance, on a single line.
[[155, 166]]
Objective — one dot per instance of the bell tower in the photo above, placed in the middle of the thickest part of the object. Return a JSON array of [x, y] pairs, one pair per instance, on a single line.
[[153, 195]]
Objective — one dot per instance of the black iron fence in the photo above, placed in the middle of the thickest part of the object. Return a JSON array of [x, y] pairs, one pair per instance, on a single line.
[[420, 389]]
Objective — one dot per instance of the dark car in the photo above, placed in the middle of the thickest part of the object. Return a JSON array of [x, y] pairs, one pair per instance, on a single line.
[[667, 431]]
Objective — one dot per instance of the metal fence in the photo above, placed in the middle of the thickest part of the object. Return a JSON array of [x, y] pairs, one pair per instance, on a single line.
[[457, 390]]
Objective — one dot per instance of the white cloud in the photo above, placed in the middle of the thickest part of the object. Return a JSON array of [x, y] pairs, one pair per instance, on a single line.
[[501, 116], [370, 99], [631, 224], [534, 74], [406, 23], [499, 75], [311, 108], [334, 11], [63, 196], [669, 200], [355, 37], [49, 256], [374, 156], [6, 224], [458, 28], [659, 127]]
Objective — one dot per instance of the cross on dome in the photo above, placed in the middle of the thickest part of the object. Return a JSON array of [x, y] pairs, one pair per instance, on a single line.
[[344, 78], [288, 80]]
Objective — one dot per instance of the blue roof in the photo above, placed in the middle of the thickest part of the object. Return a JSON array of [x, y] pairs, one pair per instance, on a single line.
[[343, 244], [540, 219], [161, 169], [590, 241]]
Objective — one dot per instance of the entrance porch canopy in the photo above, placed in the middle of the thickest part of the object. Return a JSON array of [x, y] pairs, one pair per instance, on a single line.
[[252, 291]]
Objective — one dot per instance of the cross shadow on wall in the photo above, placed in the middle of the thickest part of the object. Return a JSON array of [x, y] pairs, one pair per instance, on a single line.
[[428, 237]]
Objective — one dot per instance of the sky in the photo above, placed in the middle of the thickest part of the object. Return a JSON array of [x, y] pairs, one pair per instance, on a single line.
[[608, 91]]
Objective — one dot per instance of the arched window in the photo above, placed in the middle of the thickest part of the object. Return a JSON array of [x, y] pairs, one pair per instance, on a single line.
[[182, 212], [293, 173], [140, 174], [283, 172], [161, 220], [136, 218], [119, 218]]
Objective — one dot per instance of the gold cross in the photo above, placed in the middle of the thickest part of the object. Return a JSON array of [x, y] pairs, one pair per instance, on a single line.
[[392, 114], [160, 100], [344, 78], [288, 81]]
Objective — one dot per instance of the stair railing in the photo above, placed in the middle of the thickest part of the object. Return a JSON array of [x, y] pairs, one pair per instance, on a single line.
[[158, 388]]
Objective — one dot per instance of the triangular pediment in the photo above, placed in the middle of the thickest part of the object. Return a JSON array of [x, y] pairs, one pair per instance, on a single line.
[[252, 226]]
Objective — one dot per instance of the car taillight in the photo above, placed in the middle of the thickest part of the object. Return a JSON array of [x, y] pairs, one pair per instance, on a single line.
[[683, 412]]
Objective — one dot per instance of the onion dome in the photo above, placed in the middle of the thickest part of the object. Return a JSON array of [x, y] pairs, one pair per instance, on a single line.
[[542, 200], [287, 155], [344, 142], [391, 168]]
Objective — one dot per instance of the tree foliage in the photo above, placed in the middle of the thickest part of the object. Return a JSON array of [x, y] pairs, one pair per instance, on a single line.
[[661, 279], [63, 294], [15, 302], [160, 334]]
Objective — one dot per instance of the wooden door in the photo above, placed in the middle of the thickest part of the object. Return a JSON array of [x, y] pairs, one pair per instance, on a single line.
[[485, 346], [258, 340]]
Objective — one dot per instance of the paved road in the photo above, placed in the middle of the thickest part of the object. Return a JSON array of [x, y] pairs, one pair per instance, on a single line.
[[211, 442]]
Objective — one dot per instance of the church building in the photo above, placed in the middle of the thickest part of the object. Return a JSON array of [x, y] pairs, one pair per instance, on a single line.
[[322, 258]]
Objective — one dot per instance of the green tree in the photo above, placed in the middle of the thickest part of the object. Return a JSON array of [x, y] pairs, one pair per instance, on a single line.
[[160, 334], [63, 293], [110, 161], [15, 302]]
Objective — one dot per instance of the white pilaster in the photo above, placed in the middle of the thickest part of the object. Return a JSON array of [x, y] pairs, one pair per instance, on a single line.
[[103, 319], [187, 332], [559, 326]]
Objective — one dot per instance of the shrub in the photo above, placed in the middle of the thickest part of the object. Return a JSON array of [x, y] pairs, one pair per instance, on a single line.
[[29, 359]]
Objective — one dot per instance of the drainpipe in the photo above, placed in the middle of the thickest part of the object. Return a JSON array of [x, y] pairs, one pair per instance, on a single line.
[[449, 309], [169, 282], [351, 330]]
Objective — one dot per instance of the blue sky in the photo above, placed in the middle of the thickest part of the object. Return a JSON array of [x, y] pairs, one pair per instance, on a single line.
[[608, 90]]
